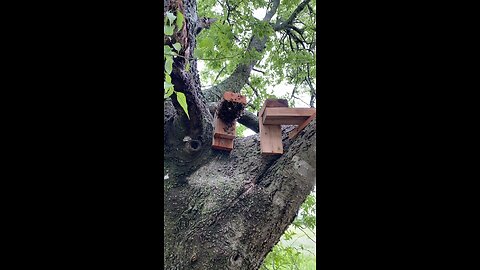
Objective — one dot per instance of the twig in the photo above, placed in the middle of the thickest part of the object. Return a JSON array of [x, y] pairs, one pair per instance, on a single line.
[[301, 100], [254, 69], [254, 90], [219, 74], [313, 94], [307, 235], [293, 91]]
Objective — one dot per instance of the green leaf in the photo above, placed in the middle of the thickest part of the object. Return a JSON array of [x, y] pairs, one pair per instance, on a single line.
[[167, 85], [168, 92], [179, 20], [206, 43], [177, 46], [183, 101], [168, 65], [240, 129], [168, 78], [171, 17], [167, 50], [187, 67], [168, 30]]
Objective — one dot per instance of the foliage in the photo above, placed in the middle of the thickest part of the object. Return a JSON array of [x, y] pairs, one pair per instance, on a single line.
[[294, 250], [240, 129], [169, 54], [289, 55]]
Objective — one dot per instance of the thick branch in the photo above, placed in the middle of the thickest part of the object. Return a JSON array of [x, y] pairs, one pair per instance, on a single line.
[[187, 139], [249, 120], [271, 11], [281, 25], [233, 83], [242, 72]]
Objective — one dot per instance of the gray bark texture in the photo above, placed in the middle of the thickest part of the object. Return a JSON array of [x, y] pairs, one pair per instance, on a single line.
[[224, 210]]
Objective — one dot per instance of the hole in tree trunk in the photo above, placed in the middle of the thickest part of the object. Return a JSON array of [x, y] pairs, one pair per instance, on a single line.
[[193, 145], [236, 259]]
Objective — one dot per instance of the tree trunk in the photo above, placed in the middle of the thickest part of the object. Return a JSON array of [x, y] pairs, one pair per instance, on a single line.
[[224, 210], [234, 209]]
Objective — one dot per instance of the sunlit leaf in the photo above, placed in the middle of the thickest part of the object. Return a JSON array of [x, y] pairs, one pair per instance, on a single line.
[[168, 30], [182, 100], [179, 20], [177, 46], [167, 49], [167, 85], [168, 64], [171, 17], [168, 78], [169, 91]]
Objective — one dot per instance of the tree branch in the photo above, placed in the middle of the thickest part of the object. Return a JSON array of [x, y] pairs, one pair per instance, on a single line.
[[219, 73], [313, 93], [283, 25], [242, 72], [272, 10], [260, 71], [254, 90], [313, 240], [184, 156], [298, 30], [249, 120]]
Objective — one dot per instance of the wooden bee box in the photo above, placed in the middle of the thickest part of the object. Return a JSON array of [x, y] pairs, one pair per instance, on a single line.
[[274, 113], [224, 133]]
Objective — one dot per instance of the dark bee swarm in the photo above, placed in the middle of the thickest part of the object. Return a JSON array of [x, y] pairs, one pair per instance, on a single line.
[[230, 111]]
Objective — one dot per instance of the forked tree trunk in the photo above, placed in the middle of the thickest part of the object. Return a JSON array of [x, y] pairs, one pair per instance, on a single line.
[[224, 210]]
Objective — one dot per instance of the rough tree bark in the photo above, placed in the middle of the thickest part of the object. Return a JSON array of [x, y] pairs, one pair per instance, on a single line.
[[225, 210]]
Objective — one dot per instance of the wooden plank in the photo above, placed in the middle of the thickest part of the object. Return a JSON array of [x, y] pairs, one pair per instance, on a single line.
[[272, 103], [271, 143], [222, 144], [231, 96], [303, 112], [223, 137], [271, 135], [286, 116], [297, 130], [221, 130], [270, 138], [276, 103]]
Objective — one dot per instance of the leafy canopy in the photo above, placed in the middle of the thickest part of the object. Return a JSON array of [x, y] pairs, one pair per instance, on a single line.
[[289, 55]]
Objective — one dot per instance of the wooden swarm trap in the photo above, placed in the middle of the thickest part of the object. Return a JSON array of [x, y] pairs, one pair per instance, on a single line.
[[274, 113], [225, 120]]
